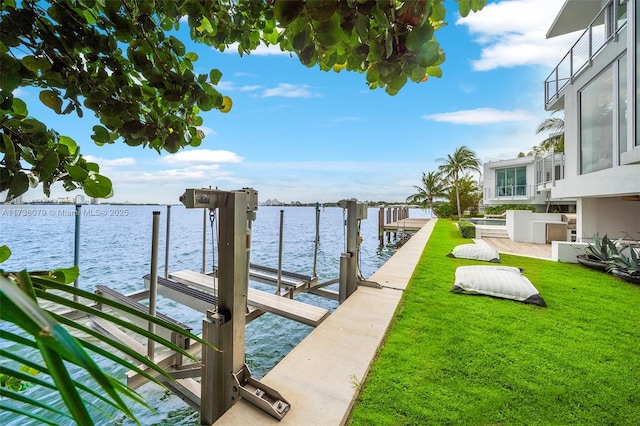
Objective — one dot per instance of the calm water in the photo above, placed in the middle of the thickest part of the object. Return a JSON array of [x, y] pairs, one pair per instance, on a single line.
[[495, 222], [115, 250]]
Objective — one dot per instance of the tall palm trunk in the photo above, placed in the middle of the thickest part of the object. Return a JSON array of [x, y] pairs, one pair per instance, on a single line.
[[457, 184]]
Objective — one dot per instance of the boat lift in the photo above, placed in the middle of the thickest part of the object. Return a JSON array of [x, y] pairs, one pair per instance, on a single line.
[[228, 303]]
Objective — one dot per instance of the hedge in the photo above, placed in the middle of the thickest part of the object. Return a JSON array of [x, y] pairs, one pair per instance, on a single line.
[[467, 229]]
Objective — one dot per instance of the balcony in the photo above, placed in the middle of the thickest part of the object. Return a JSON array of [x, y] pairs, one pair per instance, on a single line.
[[510, 193], [603, 29], [549, 169]]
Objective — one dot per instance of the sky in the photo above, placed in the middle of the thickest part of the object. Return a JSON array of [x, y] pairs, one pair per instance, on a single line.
[[300, 134]]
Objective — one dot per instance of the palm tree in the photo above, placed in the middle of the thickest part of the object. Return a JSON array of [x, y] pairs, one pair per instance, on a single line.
[[556, 140], [462, 160], [432, 187]]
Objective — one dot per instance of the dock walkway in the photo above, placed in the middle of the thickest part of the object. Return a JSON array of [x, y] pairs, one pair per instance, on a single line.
[[408, 224], [320, 377]]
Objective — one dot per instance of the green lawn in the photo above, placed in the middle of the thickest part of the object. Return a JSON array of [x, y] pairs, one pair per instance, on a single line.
[[452, 359]]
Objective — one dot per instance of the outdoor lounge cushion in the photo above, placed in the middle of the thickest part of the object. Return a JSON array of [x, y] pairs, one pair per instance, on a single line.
[[475, 251], [498, 281]]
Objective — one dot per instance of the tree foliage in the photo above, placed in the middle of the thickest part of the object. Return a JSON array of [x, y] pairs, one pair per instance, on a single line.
[[122, 61], [432, 187], [455, 165]]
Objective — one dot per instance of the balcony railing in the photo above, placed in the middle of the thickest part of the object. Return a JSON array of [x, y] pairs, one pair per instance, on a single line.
[[549, 169], [510, 192], [604, 28]]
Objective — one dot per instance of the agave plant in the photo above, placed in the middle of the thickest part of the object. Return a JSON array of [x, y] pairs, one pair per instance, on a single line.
[[602, 250], [625, 263], [47, 332]]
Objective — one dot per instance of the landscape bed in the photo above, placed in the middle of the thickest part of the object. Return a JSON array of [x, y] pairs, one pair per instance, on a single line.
[[458, 359]]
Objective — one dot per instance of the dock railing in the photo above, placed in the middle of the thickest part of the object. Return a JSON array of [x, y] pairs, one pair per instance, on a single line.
[[603, 29]]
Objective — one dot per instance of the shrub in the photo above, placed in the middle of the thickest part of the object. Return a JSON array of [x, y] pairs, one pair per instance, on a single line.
[[467, 229], [504, 207], [444, 210]]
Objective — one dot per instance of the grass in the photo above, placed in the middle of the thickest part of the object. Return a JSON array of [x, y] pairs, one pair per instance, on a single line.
[[452, 359]]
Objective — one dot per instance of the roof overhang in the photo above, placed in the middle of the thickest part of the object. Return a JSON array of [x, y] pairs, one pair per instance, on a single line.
[[575, 15]]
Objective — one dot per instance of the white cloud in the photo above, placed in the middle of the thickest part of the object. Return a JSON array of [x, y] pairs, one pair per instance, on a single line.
[[287, 90], [230, 86], [512, 33], [480, 116], [118, 162], [225, 86], [207, 130], [250, 88], [261, 50], [201, 156]]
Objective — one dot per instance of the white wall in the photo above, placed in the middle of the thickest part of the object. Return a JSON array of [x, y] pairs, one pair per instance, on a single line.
[[611, 216]]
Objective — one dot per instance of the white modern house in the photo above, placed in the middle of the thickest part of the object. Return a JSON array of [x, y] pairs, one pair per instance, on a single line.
[[525, 181], [596, 84]]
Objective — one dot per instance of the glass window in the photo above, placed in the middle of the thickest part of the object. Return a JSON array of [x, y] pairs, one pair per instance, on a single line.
[[622, 104], [596, 124], [521, 181], [511, 181]]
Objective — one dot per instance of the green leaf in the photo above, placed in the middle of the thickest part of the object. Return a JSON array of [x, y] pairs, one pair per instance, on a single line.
[[77, 173], [47, 165], [5, 253], [477, 5], [192, 56], [52, 100], [429, 54], [10, 159], [419, 36], [465, 7], [19, 108], [438, 12], [34, 64], [286, 11], [92, 167], [69, 143], [18, 186], [97, 186], [100, 134], [61, 275], [177, 46], [434, 71], [214, 76], [10, 78], [63, 382]]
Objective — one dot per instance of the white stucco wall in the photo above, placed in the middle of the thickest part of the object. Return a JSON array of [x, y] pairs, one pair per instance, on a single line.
[[611, 216]]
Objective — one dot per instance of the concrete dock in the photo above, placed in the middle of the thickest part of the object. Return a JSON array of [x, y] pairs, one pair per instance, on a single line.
[[321, 376]]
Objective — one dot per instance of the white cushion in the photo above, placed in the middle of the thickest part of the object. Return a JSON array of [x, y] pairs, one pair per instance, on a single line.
[[476, 252], [498, 281]]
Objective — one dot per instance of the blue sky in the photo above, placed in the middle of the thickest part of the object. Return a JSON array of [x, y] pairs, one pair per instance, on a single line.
[[300, 134]]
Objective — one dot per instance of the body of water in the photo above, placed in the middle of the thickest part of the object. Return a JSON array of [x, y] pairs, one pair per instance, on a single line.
[[115, 250]]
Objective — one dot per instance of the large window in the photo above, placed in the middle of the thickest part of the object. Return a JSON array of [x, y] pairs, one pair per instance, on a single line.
[[511, 182], [622, 105], [596, 123]]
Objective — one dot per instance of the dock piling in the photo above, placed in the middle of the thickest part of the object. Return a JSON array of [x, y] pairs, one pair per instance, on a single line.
[[166, 243], [279, 277], [76, 246], [153, 285]]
